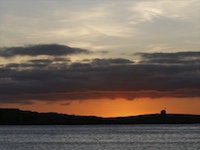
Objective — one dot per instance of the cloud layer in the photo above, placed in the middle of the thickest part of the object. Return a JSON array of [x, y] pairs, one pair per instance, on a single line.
[[58, 78], [43, 49], [132, 25]]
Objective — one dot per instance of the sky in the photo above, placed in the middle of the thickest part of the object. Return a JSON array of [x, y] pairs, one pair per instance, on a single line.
[[100, 57]]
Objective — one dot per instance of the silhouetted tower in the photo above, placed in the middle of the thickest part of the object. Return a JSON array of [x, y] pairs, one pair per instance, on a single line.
[[163, 112]]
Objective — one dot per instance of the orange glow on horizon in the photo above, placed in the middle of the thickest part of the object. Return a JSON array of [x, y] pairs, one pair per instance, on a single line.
[[115, 108]]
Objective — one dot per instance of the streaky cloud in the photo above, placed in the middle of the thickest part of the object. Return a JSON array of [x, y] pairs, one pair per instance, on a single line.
[[169, 58], [177, 75], [41, 49]]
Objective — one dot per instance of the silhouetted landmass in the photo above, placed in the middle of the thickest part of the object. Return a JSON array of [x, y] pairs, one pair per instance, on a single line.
[[18, 117]]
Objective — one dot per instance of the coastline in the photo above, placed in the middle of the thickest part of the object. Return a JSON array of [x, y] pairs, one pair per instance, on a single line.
[[19, 117]]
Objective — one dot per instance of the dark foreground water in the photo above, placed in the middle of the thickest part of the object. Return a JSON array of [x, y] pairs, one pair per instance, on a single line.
[[101, 137]]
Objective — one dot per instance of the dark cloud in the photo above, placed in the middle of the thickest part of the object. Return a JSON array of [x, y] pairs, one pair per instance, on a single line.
[[43, 49], [39, 63], [116, 61], [169, 58], [101, 78]]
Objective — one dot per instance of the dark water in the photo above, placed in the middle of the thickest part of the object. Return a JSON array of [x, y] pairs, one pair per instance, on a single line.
[[101, 137]]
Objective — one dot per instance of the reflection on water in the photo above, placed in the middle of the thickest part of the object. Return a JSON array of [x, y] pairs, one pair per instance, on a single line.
[[100, 137]]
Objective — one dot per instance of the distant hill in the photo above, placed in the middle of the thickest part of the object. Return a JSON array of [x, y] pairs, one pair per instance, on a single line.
[[18, 117]]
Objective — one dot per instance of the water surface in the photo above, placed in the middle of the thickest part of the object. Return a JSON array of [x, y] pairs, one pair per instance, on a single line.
[[100, 137]]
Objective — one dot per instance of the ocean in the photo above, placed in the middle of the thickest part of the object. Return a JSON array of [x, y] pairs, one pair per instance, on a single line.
[[100, 137]]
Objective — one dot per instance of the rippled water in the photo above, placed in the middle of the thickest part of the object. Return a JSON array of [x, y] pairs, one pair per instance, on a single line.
[[100, 137]]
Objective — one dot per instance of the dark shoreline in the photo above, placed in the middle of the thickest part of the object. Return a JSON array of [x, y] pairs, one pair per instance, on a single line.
[[19, 117]]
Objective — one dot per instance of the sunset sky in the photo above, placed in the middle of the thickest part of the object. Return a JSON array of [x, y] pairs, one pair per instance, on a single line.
[[100, 57]]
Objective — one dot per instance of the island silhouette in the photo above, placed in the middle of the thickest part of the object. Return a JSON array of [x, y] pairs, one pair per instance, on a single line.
[[19, 117]]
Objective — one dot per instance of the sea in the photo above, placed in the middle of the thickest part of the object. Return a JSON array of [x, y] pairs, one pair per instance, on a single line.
[[100, 137]]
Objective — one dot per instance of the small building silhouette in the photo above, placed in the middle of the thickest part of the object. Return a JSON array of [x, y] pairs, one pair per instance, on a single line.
[[163, 112]]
